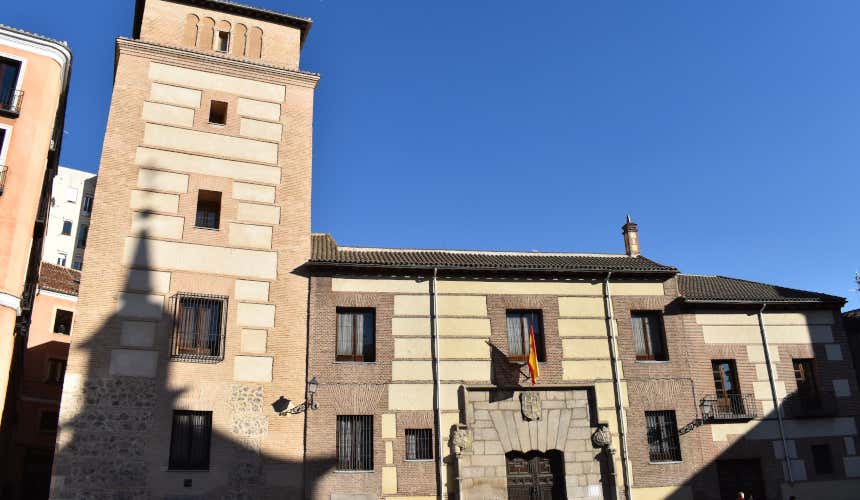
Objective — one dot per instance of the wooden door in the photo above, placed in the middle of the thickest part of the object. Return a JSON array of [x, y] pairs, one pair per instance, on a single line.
[[535, 476]]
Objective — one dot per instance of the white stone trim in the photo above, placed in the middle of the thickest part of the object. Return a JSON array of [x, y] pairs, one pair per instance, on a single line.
[[58, 295], [56, 51], [11, 301], [7, 140]]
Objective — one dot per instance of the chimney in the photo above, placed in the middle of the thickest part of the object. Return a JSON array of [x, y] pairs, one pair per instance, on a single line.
[[631, 238]]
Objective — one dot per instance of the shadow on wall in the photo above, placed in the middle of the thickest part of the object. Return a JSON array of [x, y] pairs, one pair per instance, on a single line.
[[112, 439]]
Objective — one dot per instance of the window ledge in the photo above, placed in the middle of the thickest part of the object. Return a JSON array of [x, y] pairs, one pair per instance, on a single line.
[[667, 462], [355, 362], [166, 468], [207, 228], [419, 460], [213, 124], [338, 471], [653, 361]]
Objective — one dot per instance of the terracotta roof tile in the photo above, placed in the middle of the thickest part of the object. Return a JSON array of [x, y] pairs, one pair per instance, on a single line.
[[59, 279], [698, 288]]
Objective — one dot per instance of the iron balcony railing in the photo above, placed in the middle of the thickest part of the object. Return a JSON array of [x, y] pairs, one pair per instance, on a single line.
[[803, 404], [4, 171], [720, 407], [10, 101], [28, 296]]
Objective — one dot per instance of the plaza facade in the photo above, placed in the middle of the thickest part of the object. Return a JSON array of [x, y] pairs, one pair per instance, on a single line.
[[222, 350]]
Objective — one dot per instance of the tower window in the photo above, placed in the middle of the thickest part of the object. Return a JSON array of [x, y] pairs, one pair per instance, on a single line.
[[218, 113], [223, 41], [208, 209]]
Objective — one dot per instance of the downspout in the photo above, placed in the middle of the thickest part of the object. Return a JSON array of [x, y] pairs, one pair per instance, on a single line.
[[776, 407], [616, 385], [437, 388]]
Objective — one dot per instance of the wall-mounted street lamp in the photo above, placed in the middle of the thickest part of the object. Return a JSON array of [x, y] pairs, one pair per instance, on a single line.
[[282, 405]]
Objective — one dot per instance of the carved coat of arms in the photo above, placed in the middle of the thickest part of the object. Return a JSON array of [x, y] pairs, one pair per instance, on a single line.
[[530, 403]]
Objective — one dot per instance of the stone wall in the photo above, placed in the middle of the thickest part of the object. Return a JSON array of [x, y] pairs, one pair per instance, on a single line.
[[497, 425]]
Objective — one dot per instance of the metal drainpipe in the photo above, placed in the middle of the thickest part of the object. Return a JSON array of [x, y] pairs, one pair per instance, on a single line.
[[616, 384], [776, 407], [437, 388]]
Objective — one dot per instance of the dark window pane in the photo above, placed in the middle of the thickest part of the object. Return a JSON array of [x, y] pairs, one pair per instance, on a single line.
[[48, 421], [56, 370], [804, 375], [190, 440], [67, 227], [198, 331], [9, 70], [218, 112], [208, 209], [821, 459], [82, 235], [63, 322], [649, 336]]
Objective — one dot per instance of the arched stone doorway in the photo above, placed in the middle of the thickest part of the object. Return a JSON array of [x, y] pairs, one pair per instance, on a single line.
[[535, 475]]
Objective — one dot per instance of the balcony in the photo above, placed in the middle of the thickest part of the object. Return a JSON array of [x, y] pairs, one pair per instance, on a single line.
[[4, 170], [730, 408], [812, 404], [10, 101]]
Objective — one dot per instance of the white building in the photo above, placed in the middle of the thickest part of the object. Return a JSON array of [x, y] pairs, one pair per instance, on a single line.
[[69, 217]]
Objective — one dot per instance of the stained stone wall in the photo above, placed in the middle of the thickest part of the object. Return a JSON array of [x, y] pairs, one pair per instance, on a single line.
[[497, 426]]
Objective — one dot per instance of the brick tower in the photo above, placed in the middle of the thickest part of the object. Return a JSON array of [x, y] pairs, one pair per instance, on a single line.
[[192, 316]]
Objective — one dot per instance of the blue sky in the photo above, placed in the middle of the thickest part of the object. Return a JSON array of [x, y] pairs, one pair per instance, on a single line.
[[728, 130]]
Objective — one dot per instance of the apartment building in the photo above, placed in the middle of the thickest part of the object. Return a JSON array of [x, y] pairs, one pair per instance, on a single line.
[[68, 217], [42, 374], [34, 79], [222, 350]]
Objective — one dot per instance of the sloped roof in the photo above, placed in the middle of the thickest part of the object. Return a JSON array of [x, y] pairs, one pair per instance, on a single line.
[[325, 251], [699, 288], [59, 279]]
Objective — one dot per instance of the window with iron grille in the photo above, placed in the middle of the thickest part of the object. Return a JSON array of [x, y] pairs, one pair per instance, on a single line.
[[198, 327], [190, 440], [520, 323], [419, 444], [208, 209], [355, 442], [663, 442], [822, 459], [649, 337], [9, 71], [356, 336]]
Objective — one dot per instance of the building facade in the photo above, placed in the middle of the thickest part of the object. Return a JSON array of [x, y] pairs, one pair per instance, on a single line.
[[43, 371], [34, 78], [203, 216], [221, 350], [68, 217]]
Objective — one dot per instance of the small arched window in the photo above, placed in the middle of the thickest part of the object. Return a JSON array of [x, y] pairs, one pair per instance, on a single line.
[[222, 36], [207, 32], [189, 36], [240, 32], [255, 43]]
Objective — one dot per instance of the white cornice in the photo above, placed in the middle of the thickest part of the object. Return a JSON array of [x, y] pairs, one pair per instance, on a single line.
[[30, 43], [58, 295], [11, 301]]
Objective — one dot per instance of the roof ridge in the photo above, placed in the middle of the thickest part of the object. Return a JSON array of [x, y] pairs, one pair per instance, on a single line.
[[485, 252]]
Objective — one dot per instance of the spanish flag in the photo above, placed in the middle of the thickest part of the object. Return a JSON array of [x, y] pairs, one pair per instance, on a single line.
[[534, 370]]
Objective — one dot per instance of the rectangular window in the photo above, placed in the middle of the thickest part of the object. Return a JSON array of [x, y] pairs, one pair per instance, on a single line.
[[77, 264], [520, 323], [67, 227], [208, 209], [56, 370], [9, 71], [198, 327], [821, 459], [190, 440], [82, 235], [649, 338], [356, 335], [223, 41], [355, 442], [71, 194], [63, 321], [419, 444], [48, 421], [218, 113], [663, 442], [804, 375], [87, 204], [61, 259]]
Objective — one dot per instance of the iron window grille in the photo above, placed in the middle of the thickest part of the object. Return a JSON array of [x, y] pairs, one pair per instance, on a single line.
[[419, 444], [663, 442], [190, 440], [519, 324], [649, 338], [355, 442], [356, 335], [199, 323]]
